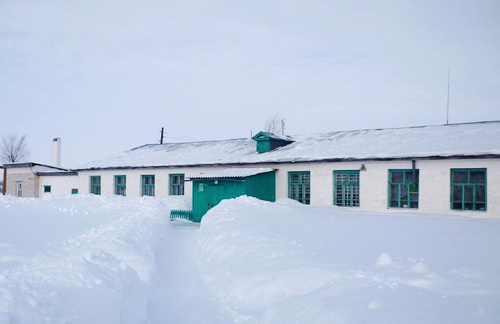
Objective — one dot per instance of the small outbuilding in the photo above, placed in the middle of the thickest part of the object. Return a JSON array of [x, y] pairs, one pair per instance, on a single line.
[[210, 188]]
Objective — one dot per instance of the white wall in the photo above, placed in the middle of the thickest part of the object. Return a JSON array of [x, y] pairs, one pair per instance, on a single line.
[[434, 182], [59, 185]]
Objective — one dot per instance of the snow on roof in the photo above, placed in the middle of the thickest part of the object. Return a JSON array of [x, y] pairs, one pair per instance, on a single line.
[[231, 173], [454, 140]]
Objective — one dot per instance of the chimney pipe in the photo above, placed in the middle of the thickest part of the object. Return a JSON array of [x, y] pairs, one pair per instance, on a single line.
[[56, 152]]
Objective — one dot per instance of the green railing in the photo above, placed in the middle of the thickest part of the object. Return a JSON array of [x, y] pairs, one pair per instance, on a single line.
[[181, 214]]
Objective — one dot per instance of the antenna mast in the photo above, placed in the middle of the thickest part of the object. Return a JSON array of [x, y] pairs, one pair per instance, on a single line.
[[161, 137], [448, 99]]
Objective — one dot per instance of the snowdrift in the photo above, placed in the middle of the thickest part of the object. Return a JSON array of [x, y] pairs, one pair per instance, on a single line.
[[290, 263], [79, 259], [91, 259]]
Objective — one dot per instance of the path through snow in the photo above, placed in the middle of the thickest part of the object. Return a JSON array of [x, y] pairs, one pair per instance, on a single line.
[[177, 293]]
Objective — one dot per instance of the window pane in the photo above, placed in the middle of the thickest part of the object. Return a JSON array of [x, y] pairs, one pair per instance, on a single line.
[[457, 193], [306, 177], [394, 192], [480, 194], [353, 178], [459, 177], [409, 177], [478, 177], [468, 191], [481, 206], [397, 176], [341, 178]]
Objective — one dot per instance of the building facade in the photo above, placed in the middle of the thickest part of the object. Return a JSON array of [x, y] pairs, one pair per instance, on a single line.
[[436, 169]]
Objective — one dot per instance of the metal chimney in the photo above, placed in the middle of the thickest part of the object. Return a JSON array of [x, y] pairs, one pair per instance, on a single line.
[[56, 152]]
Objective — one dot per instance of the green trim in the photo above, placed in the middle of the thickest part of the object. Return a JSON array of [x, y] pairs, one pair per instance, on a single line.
[[74, 191], [299, 186], [468, 189], [121, 185], [95, 185], [176, 187], [47, 189], [267, 141], [403, 188], [148, 185], [346, 188]]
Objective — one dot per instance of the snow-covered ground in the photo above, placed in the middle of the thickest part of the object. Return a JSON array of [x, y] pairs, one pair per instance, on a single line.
[[89, 259]]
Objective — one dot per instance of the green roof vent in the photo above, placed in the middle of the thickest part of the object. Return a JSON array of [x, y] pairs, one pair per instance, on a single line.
[[267, 142]]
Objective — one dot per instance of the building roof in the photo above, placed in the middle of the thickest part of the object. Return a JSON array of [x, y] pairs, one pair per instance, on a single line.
[[480, 139], [231, 173]]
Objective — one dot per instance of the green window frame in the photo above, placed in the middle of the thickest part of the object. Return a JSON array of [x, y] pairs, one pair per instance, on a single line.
[[148, 185], [74, 191], [95, 185], [299, 186], [47, 189], [403, 188], [176, 184], [346, 188], [469, 189], [120, 185]]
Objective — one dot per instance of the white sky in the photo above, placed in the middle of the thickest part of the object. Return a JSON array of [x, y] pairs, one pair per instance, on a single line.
[[105, 75]]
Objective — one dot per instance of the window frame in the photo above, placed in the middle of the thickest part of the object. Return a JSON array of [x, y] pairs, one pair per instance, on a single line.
[[147, 189], [47, 189], [404, 187], [176, 189], [95, 186], [74, 191], [474, 186], [300, 190], [120, 188], [353, 189]]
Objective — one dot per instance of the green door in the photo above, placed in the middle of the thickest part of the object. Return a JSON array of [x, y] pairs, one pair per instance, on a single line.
[[208, 193]]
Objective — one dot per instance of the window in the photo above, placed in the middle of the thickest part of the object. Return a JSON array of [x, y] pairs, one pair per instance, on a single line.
[[148, 185], [468, 189], [19, 189], [120, 185], [74, 191], [47, 189], [177, 184], [299, 187], [95, 185], [346, 188], [403, 188]]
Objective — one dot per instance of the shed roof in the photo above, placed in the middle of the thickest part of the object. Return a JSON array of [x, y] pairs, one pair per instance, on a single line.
[[231, 173], [480, 139]]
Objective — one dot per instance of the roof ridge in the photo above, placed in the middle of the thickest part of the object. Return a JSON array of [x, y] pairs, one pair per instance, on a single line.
[[404, 127]]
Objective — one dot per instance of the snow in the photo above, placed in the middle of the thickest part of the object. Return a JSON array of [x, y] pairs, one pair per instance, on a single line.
[[231, 173], [92, 259], [470, 139]]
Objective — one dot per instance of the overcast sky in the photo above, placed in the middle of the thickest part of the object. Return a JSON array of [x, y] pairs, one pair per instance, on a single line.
[[105, 76]]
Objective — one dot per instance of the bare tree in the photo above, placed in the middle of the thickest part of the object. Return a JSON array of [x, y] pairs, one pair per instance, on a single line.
[[14, 149], [275, 125]]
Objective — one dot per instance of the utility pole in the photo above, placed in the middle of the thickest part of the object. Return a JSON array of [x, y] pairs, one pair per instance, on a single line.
[[161, 137], [448, 99]]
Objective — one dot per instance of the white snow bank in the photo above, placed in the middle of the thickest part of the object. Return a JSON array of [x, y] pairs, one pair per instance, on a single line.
[[78, 259], [290, 263]]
